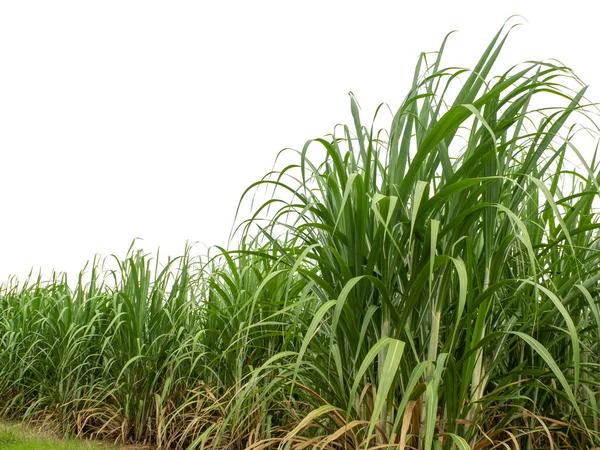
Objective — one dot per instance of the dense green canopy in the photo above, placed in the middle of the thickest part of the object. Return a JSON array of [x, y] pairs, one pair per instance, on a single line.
[[430, 285]]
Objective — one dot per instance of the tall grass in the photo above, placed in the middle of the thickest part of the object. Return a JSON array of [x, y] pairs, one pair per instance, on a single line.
[[430, 285]]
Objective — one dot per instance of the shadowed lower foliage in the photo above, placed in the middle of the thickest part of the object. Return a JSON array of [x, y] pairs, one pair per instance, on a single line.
[[430, 285]]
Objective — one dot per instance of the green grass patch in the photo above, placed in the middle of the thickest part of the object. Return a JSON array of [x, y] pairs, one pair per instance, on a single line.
[[20, 437]]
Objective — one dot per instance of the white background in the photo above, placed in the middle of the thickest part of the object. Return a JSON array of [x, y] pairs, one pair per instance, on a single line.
[[123, 119]]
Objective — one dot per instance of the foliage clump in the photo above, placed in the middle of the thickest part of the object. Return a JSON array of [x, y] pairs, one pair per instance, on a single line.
[[431, 285]]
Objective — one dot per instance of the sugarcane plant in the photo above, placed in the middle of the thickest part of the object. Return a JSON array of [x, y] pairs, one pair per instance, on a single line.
[[429, 284]]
